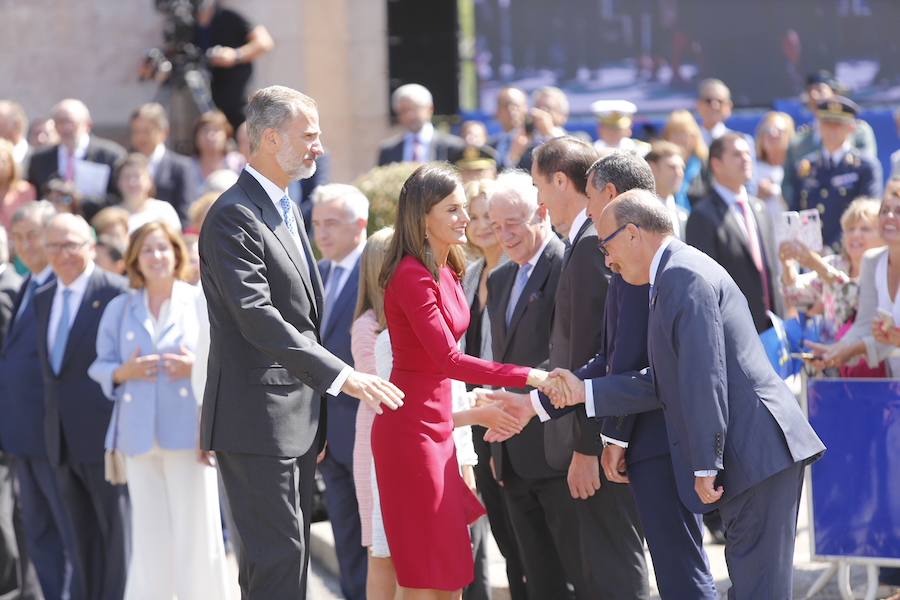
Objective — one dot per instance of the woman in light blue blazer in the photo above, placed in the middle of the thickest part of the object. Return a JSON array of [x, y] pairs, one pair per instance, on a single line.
[[145, 355]]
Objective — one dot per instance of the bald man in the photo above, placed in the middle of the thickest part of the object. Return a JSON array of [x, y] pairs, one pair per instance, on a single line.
[[76, 143]]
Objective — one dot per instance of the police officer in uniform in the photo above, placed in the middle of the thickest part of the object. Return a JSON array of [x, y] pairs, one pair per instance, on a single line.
[[831, 177], [475, 162], [614, 119]]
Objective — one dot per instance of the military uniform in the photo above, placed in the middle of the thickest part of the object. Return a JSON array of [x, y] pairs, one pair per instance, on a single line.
[[617, 116]]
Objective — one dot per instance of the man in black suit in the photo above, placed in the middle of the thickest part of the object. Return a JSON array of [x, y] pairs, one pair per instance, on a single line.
[[420, 142], [44, 521], [73, 123], [521, 294], [340, 214], [612, 548], [77, 413], [268, 373], [734, 228], [173, 174]]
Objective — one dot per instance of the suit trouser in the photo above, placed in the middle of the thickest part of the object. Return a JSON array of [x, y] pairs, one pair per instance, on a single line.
[[498, 516], [18, 580], [612, 543], [46, 524], [760, 531], [100, 517], [270, 499], [343, 512], [178, 549], [674, 534], [546, 530]]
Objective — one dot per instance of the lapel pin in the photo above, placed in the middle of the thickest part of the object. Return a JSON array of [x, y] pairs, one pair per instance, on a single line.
[[96, 304]]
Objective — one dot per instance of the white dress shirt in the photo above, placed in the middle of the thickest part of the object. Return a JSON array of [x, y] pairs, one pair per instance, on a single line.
[[275, 195], [424, 135], [731, 199], [78, 288], [580, 218], [838, 155], [41, 279], [62, 154], [20, 150], [155, 158], [718, 130]]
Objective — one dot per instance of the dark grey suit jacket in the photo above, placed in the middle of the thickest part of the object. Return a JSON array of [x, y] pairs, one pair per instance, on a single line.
[[267, 372], [714, 229], [525, 342], [442, 144], [174, 183], [44, 164], [577, 335], [725, 407]]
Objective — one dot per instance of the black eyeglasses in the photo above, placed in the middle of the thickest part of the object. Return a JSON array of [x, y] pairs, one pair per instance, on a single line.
[[601, 245]]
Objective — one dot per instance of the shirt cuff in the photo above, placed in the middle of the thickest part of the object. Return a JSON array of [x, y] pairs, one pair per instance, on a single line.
[[614, 442], [335, 388], [710, 473], [589, 399], [538, 407]]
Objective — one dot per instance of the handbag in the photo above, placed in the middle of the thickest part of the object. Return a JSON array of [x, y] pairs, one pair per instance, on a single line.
[[113, 458]]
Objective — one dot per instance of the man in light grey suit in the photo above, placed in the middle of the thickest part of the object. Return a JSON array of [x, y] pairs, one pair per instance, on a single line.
[[268, 373], [737, 437]]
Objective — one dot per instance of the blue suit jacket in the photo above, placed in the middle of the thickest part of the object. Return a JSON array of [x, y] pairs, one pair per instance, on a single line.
[[164, 411], [77, 413], [341, 425], [22, 384]]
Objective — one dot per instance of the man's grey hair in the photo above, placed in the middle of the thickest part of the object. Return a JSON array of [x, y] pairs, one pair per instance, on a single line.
[[416, 93], [15, 111], [625, 170], [710, 83], [643, 209], [75, 106], [355, 202], [37, 212], [4, 246], [559, 97], [70, 222], [274, 107], [517, 186]]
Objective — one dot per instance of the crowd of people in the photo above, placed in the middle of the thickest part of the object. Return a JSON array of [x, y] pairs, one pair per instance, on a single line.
[[149, 300]]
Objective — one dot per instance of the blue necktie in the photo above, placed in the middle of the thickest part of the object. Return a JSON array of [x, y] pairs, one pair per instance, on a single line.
[[650, 296], [29, 294], [62, 334], [518, 287], [331, 293], [288, 215]]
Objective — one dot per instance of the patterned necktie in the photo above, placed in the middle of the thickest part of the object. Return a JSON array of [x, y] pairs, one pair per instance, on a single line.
[[62, 333], [287, 215], [568, 252], [518, 287], [331, 293]]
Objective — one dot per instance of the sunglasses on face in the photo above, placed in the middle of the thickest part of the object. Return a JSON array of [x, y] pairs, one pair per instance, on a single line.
[[601, 245]]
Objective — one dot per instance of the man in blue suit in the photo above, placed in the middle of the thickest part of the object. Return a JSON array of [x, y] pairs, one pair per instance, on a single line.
[[737, 438], [77, 413], [340, 214], [44, 521]]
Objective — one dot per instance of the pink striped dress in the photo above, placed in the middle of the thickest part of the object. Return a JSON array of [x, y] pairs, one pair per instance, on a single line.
[[363, 334]]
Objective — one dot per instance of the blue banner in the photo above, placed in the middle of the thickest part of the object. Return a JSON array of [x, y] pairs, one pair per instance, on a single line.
[[856, 485]]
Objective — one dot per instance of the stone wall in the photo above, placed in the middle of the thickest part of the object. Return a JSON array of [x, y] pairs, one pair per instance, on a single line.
[[333, 50]]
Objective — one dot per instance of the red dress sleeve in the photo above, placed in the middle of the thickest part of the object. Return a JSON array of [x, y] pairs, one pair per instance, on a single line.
[[417, 296]]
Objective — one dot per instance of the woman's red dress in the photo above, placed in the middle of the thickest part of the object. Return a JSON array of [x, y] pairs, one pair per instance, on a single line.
[[425, 503]]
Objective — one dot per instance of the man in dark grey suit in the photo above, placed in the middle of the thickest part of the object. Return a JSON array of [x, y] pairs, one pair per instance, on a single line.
[[610, 538], [521, 296], [268, 373], [173, 174], [421, 142], [737, 437]]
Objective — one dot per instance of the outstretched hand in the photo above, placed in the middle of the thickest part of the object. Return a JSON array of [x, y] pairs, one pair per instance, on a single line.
[[564, 389], [516, 405], [373, 390]]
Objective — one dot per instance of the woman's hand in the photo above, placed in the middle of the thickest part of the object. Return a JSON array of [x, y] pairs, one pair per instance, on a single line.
[[796, 250], [833, 355], [884, 331], [178, 366], [492, 416], [143, 368], [468, 474]]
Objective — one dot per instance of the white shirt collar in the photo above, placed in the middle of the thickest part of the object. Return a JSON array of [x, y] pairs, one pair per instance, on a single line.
[[80, 284], [42, 277], [537, 255], [838, 154], [272, 190], [349, 261], [654, 264], [727, 195], [157, 154], [20, 150], [718, 130], [580, 218], [425, 134]]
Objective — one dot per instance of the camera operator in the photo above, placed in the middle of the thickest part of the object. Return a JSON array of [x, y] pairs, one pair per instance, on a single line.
[[231, 44]]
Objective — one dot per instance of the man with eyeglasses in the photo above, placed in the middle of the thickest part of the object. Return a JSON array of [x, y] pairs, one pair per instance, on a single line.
[[77, 413], [714, 106]]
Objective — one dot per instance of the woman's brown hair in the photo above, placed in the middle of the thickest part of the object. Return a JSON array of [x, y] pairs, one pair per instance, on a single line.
[[132, 267], [215, 118], [371, 294], [427, 186]]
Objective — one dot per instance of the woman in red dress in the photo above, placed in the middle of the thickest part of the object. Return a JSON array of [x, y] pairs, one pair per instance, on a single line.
[[425, 504]]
